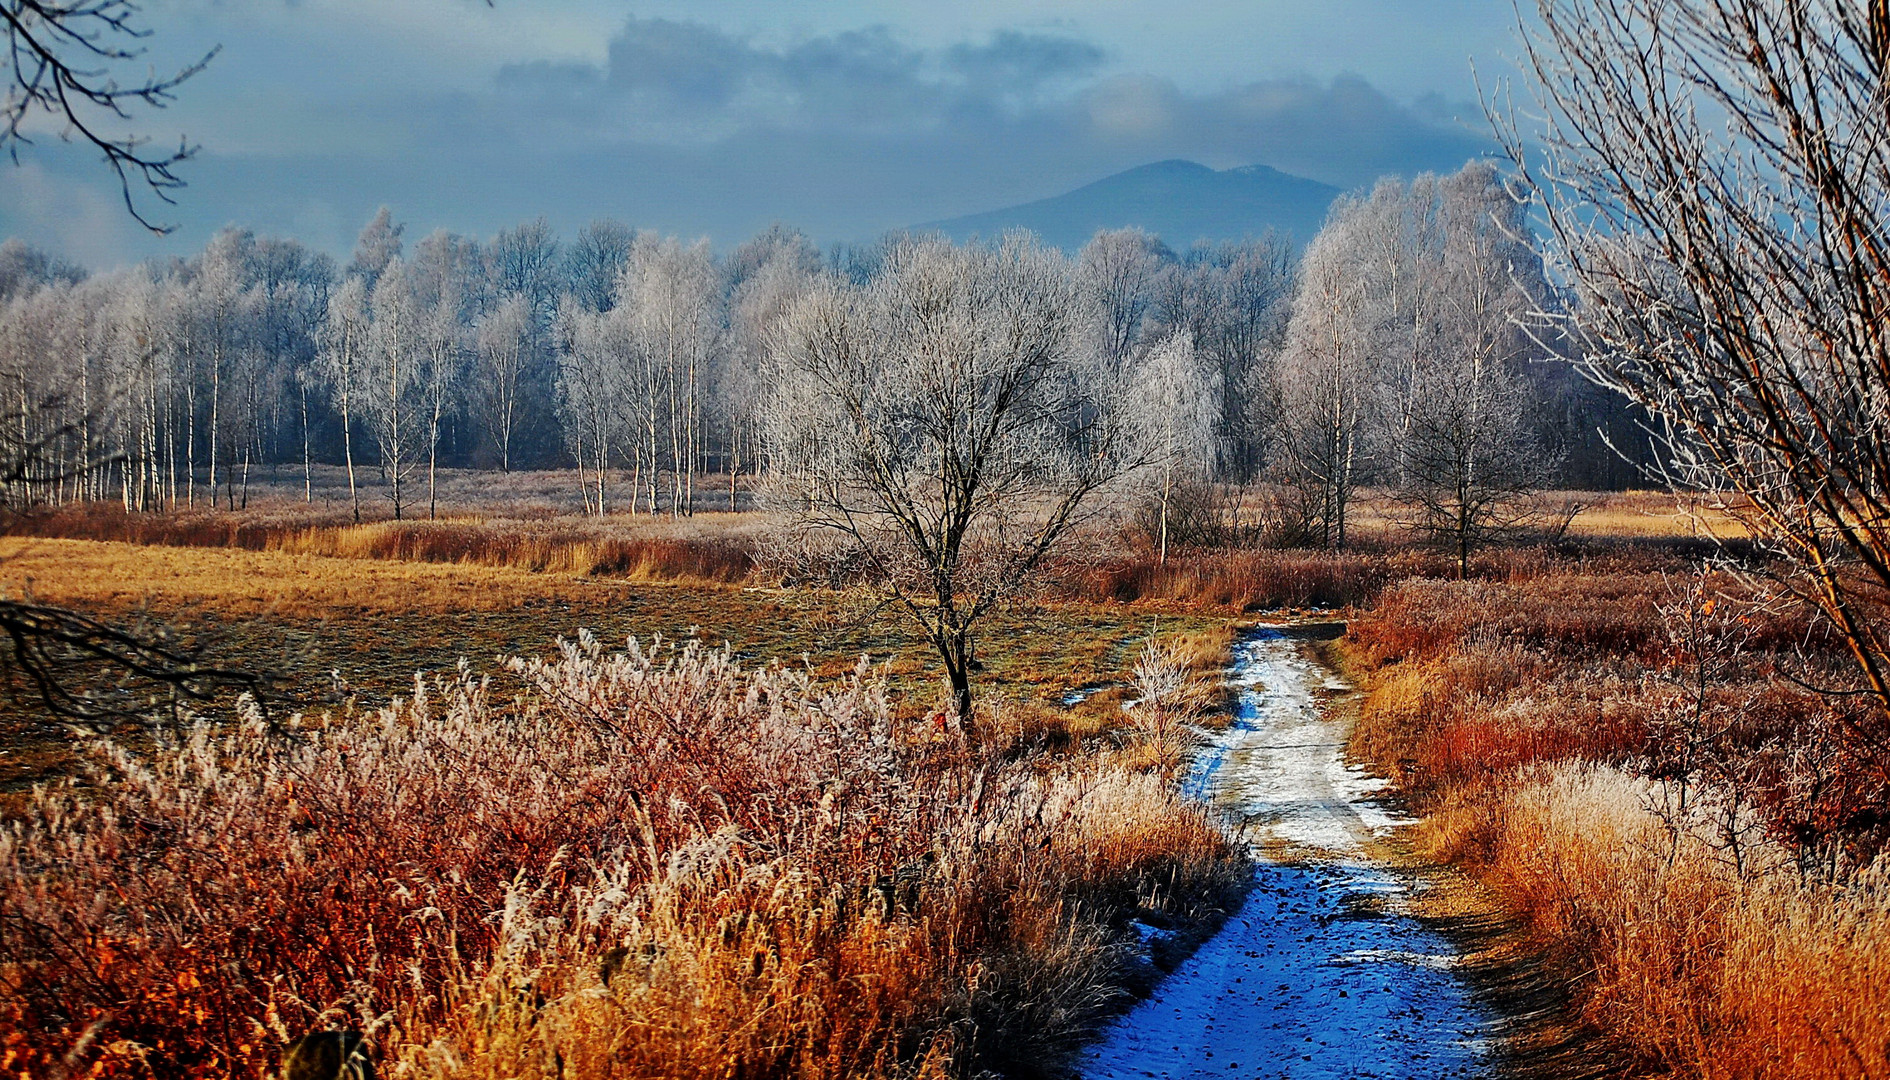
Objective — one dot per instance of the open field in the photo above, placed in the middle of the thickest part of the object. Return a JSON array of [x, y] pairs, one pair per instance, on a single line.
[[374, 623], [752, 850], [1506, 706]]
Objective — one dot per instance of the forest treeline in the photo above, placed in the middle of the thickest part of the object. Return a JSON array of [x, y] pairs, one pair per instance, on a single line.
[[1391, 351]]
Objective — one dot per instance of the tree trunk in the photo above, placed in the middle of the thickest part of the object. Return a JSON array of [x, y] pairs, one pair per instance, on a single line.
[[957, 653]]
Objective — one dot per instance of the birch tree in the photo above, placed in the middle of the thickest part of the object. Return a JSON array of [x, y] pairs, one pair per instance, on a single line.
[[671, 291], [392, 379], [1467, 455], [503, 340], [1172, 403], [342, 361], [1327, 387]]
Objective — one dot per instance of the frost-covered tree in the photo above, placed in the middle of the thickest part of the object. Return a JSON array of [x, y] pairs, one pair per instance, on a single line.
[[377, 247], [1468, 454], [672, 293], [1172, 402], [1715, 175], [1117, 276], [767, 275], [393, 380], [503, 341], [1328, 385], [940, 421], [342, 364]]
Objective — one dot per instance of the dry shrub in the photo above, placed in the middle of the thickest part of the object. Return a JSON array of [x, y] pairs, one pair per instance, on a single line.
[[1240, 581], [614, 547], [778, 879], [1696, 840], [575, 549], [1169, 702], [1705, 964]]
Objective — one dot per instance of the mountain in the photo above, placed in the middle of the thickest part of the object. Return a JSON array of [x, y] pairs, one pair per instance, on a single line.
[[1180, 201]]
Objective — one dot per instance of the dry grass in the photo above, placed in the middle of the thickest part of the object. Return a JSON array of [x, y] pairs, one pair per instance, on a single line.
[[1694, 841], [1622, 515], [373, 623], [614, 865], [714, 548], [1707, 965]]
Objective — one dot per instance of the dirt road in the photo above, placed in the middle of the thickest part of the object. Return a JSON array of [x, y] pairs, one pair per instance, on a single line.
[[1320, 974]]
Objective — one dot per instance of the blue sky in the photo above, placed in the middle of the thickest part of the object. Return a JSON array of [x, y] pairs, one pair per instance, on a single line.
[[717, 117]]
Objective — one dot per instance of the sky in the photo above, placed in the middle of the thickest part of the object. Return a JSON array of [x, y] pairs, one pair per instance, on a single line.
[[719, 117]]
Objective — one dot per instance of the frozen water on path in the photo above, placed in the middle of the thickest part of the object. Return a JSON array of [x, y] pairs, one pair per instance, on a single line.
[[1319, 974]]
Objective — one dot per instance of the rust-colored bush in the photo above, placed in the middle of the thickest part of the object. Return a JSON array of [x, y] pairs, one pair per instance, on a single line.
[[778, 878], [1696, 840]]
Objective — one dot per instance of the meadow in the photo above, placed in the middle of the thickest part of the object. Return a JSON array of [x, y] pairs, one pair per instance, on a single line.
[[545, 793], [1626, 754], [513, 813]]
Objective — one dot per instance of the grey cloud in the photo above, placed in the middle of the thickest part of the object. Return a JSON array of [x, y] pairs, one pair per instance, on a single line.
[[661, 74], [1021, 63], [689, 129]]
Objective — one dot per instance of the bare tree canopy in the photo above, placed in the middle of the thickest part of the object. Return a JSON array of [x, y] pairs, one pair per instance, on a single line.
[[1716, 175], [64, 60], [941, 421]]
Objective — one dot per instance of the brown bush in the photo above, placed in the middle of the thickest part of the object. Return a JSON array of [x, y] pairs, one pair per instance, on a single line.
[[1695, 840], [1705, 965], [780, 880], [615, 547]]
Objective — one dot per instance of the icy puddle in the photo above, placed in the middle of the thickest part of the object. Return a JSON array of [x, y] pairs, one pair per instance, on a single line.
[[1320, 974]]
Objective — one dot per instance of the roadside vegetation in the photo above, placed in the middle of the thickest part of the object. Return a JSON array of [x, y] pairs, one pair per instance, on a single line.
[[615, 863], [1627, 752]]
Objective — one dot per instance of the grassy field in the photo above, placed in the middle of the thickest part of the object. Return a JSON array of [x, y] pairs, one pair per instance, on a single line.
[[762, 847], [1691, 842], [373, 623], [756, 821]]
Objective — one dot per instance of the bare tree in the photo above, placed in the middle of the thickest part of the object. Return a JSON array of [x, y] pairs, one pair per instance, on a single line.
[[442, 342], [671, 293], [595, 370], [766, 275], [393, 379], [377, 247], [1172, 405], [1716, 177], [1117, 275], [945, 428], [1467, 455], [64, 59], [1327, 388], [341, 364], [504, 347]]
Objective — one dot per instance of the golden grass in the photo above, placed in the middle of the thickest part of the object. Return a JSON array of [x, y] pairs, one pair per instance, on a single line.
[[1736, 934], [1643, 515], [375, 622], [604, 866], [1722, 968]]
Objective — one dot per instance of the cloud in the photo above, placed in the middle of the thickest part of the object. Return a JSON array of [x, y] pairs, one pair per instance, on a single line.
[[682, 84], [83, 221], [682, 126], [687, 83]]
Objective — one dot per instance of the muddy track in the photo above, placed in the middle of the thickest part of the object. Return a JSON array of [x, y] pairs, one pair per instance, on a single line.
[[1324, 972]]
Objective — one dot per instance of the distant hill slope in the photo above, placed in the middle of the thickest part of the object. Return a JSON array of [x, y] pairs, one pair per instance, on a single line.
[[1180, 201]]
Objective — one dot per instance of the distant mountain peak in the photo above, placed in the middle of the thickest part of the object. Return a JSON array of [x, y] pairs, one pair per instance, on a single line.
[[1179, 200]]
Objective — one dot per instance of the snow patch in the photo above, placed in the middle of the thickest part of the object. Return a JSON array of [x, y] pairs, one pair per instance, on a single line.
[[1320, 974]]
